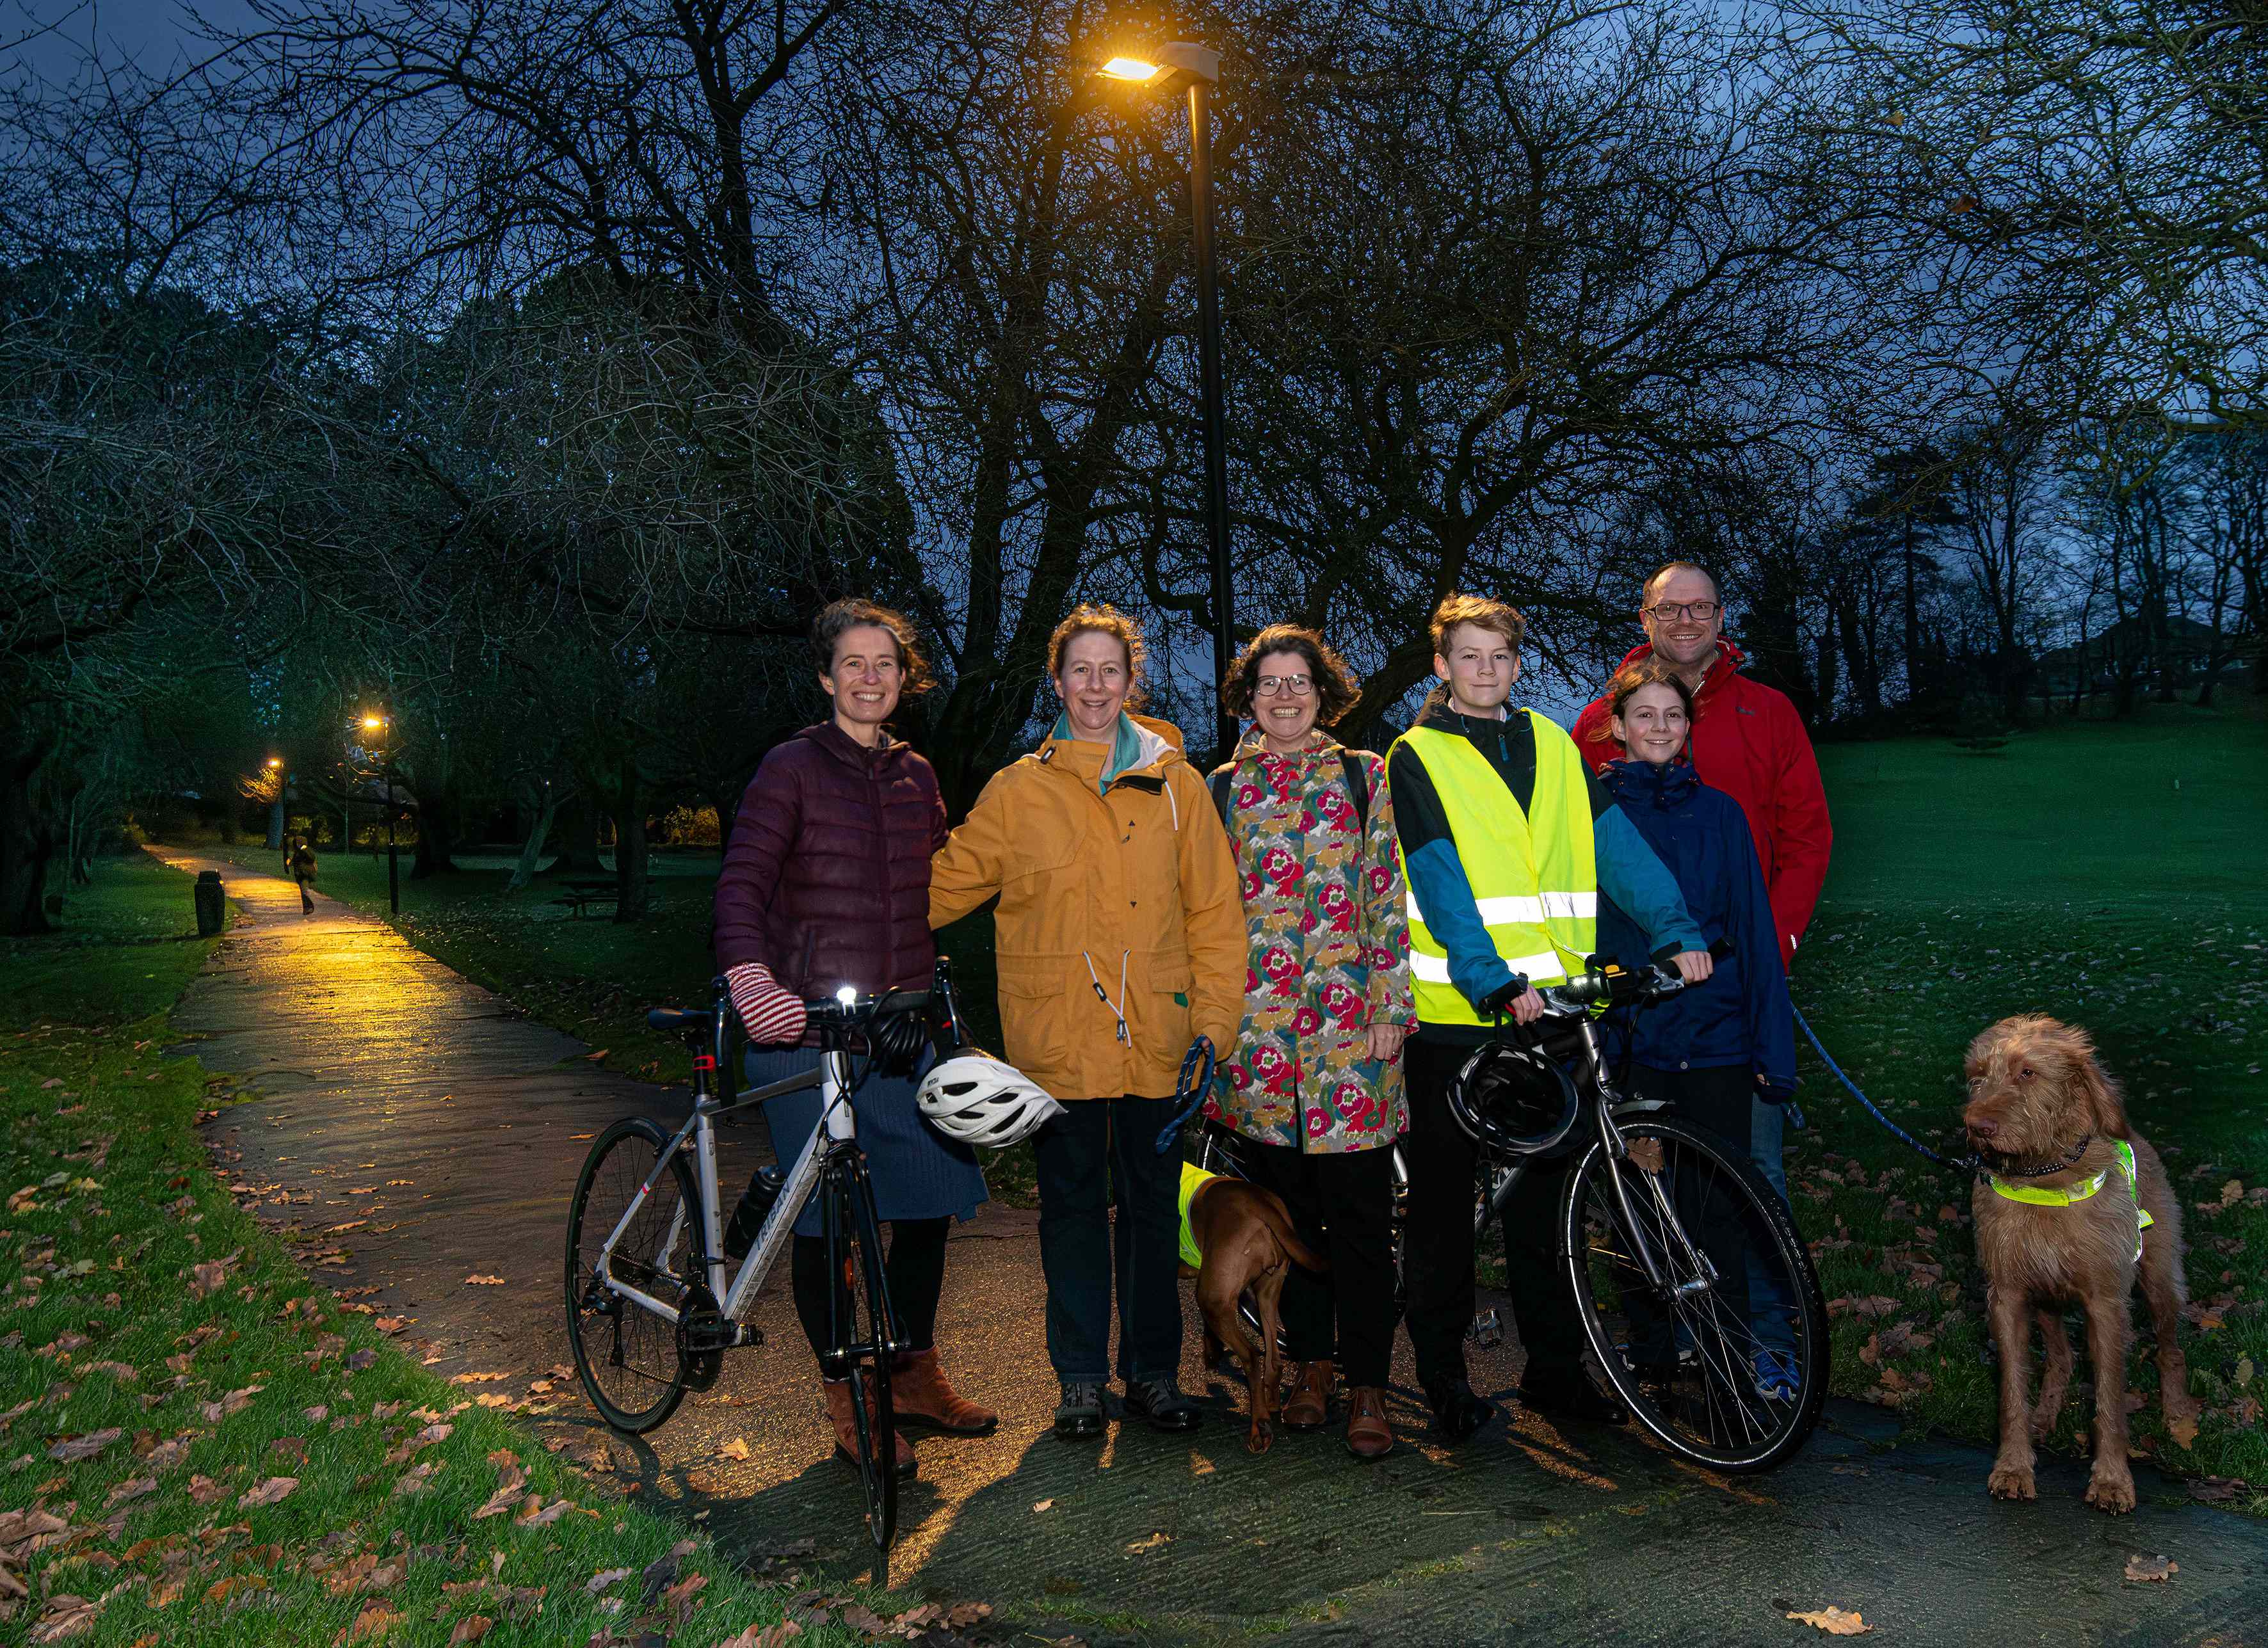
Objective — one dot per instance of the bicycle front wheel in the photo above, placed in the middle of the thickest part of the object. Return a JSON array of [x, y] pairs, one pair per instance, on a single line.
[[863, 1346], [631, 1360], [1725, 1357]]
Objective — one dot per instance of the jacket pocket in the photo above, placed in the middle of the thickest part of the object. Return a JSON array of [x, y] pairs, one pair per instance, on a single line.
[[1158, 1011], [1033, 1015]]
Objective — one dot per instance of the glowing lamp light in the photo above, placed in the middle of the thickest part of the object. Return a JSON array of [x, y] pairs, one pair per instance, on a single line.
[[274, 761], [1134, 69], [846, 995], [372, 723]]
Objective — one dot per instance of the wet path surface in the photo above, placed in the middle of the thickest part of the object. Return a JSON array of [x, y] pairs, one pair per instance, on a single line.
[[420, 1110]]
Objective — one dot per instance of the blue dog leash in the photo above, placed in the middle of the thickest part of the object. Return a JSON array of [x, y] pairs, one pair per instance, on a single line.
[[1197, 1061], [1826, 1058]]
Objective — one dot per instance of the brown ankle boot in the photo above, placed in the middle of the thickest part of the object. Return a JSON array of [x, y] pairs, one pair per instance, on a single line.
[[1368, 1434], [836, 1395], [1309, 1404], [922, 1397]]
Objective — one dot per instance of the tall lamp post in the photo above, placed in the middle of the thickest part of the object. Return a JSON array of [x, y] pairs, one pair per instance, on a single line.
[[1198, 68], [282, 780], [378, 724]]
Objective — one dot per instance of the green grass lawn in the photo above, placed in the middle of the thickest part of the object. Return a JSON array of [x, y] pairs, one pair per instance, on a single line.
[[198, 1444], [2105, 874]]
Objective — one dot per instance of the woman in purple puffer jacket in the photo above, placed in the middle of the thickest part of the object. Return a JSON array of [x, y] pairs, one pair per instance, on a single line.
[[826, 883]]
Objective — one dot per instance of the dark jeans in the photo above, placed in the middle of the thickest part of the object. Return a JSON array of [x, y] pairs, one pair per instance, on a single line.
[[1342, 1204], [1438, 1237], [915, 1271], [307, 901], [1100, 1150]]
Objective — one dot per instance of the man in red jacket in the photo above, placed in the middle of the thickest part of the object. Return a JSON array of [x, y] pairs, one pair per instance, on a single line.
[[1746, 740]]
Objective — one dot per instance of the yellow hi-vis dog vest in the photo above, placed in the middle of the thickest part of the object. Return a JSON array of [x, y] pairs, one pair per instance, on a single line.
[[1533, 874]]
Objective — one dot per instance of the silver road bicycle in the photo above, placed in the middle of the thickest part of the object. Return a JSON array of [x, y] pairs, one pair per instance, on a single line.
[[652, 1302]]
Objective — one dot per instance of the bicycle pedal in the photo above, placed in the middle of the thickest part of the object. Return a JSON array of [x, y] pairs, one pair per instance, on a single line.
[[1486, 1330]]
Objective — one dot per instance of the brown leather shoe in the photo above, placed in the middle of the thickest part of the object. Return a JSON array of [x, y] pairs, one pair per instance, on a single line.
[[836, 1395], [1368, 1434], [1309, 1404], [922, 1397]]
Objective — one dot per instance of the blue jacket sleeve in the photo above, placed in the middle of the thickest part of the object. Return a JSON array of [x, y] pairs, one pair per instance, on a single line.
[[1641, 887], [1770, 1012], [1438, 880]]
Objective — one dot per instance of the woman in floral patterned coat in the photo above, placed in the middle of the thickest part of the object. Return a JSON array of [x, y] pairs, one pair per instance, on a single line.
[[1315, 1077]]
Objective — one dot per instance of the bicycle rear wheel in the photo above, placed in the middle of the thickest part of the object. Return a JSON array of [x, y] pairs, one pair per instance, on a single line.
[[864, 1331], [631, 1360], [1726, 1360]]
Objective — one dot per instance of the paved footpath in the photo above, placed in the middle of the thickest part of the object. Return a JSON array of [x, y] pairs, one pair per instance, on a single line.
[[397, 1093]]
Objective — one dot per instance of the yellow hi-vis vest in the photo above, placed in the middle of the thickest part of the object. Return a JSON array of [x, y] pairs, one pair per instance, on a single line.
[[1533, 874]]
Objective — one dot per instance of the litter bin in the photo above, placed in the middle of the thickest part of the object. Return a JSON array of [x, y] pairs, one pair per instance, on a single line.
[[212, 903]]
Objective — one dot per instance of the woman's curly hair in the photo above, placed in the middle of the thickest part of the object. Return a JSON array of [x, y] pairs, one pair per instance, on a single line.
[[1100, 618], [1335, 684]]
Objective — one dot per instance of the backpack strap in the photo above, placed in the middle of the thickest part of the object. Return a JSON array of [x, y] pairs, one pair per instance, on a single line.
[[1357, 783], [1219, 784]]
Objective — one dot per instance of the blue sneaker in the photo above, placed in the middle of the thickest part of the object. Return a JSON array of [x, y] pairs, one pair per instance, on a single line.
[[1775, 1376]]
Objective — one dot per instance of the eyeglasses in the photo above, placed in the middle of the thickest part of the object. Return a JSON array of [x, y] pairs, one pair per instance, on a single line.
[[1297, 685], [1669, 611]]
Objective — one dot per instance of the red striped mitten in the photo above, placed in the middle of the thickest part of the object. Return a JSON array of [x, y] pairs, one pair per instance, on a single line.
[[770, 1014]]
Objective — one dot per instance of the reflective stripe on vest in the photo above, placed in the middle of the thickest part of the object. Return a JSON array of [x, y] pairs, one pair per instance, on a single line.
[[1536, 890]]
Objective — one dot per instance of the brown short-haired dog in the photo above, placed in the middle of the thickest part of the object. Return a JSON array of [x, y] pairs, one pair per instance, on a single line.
[[2058, 1221], [1245, 1233]]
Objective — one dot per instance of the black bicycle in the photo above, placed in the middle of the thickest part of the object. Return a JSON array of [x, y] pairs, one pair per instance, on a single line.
[[650, 1310], [1694, 1287]]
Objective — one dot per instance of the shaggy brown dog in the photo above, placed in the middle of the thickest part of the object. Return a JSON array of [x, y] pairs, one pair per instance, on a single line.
[[2043, 1114], [1245, 1233]]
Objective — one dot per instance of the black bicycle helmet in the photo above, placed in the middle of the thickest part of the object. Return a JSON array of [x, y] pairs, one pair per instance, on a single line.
[[1513, 1100]]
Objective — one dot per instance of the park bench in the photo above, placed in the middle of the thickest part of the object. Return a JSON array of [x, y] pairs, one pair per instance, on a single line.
[[580, 894]]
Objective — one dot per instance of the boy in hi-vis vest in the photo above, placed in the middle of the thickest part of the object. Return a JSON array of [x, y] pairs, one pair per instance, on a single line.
[[1508, 842]]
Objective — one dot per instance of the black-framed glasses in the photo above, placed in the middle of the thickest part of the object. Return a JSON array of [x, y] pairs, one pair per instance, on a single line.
[[1667, 612], [1297, 685]]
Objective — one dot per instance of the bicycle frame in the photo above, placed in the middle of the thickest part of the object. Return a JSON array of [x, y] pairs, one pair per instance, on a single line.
[[836, 1130]]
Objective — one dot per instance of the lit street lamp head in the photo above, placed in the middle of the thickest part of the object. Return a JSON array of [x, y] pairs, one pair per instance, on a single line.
[[1174, 67]]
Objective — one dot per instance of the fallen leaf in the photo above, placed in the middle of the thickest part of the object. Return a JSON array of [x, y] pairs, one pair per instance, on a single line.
[[424, 1440], [471, 1629], [484, 1281], [764, 1635], [604, 1577], [2154, 1569], [511, 1479], [203, 1490], [1834, 1622], [209, 1277], [84, 1446], [414, 1480], [375, 1619], [391, 1324], [1155, 1542], [269, 1491], [595, 1057], [235, 1584], [2214, 1489], [126, 1492], [534, 1513], [67, 1616], [679, 1598], [2183, 1430], [1042, 1504], [734, 1449]]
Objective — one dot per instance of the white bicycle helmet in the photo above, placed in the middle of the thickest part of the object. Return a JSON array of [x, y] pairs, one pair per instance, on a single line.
[[979, 1100]]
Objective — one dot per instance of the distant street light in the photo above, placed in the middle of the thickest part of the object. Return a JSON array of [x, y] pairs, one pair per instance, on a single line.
[[283, 781], [1198, 67]]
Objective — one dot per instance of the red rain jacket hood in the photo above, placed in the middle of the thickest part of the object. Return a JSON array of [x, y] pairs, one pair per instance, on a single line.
[[1749, 742]]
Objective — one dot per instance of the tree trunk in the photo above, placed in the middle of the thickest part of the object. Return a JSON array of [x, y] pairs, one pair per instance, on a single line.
[[27, 840], [632, 886], [437, 833], [1912, 618], [578, 830], [524, 872]]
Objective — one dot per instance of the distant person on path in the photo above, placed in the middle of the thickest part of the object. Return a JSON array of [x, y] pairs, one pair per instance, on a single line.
[[302, 863], [1748, 741], [1508, 842], [1121, 937], [826, 883], [1722, 1052], [1315, 1077]]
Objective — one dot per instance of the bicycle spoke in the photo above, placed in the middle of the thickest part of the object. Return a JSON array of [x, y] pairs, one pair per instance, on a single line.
[[629, 1356]]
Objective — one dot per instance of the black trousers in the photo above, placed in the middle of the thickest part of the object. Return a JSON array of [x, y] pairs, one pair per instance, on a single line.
[[915, 1271], [1097, 1153], [1438, 1237], [1719, 1100], [1342, 1204]]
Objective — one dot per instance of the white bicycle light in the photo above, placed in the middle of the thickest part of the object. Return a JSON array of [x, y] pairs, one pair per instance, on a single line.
[[847, 995]]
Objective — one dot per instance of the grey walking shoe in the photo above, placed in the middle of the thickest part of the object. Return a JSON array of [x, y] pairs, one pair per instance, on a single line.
[[1079, 1416]]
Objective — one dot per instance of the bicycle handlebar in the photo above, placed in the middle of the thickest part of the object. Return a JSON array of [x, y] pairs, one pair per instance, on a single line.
[[853, 1012], [1608, 985]]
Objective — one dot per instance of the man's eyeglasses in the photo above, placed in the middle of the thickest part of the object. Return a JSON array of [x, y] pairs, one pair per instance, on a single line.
[[1669, 611], [1297, 685]]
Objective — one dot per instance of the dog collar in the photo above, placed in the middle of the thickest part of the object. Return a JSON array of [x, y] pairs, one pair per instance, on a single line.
[[2080, 1192]]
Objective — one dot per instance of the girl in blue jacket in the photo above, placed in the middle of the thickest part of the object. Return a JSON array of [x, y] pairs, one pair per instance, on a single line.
[[1723, 1051]]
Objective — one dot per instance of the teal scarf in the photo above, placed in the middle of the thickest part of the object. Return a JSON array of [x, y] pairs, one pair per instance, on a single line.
[[1125, 748]]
